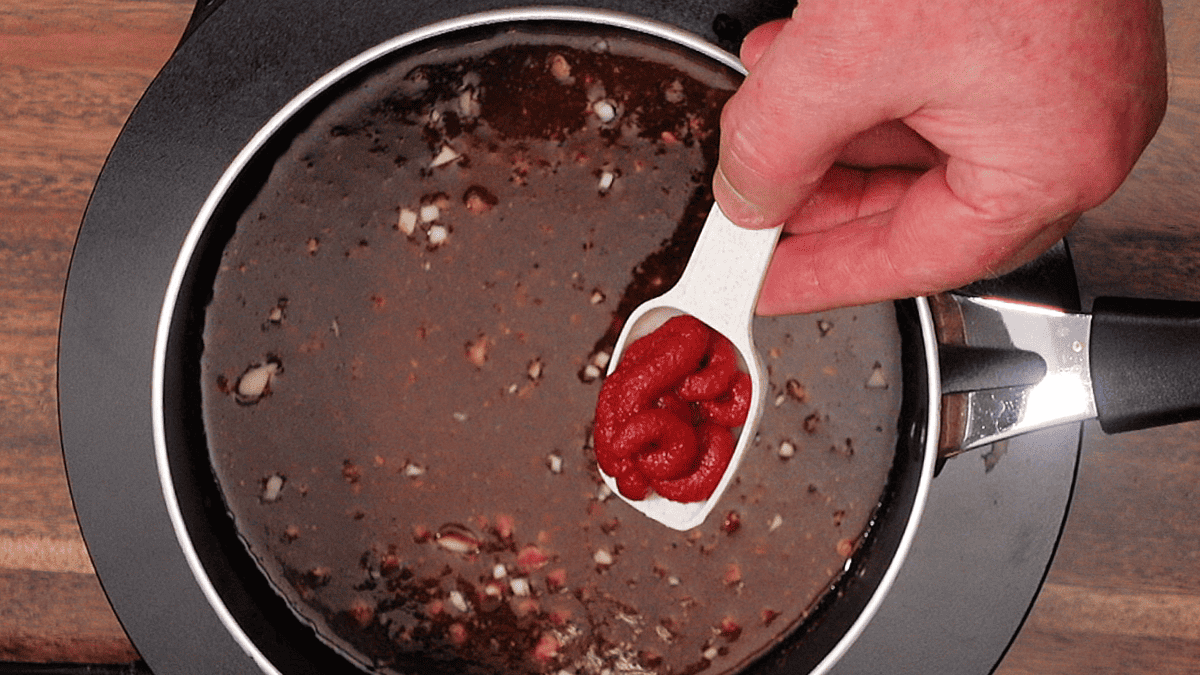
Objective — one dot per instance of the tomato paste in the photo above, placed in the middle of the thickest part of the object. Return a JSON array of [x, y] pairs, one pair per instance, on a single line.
[[665, 417]]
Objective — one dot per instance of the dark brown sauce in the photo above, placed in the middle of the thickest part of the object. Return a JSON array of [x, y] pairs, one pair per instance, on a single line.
[[437, 265]]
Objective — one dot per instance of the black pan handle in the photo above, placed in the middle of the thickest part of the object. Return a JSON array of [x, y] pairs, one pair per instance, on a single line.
[[1145, 362]]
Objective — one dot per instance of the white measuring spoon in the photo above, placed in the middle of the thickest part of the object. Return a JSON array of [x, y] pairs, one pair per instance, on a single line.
[[720, 287]]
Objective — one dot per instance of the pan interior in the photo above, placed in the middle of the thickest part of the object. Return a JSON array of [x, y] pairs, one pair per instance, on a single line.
[[397, 320]]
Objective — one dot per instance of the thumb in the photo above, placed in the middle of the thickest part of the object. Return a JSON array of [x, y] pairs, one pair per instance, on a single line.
[[785, 126], [758, 40]]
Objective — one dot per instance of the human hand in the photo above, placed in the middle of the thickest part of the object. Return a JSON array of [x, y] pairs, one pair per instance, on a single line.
[[914, 146]]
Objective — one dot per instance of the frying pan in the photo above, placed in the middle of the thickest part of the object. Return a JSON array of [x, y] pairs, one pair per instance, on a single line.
[[257, 632]]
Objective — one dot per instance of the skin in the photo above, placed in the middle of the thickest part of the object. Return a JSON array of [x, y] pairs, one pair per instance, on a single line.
[[912, 146]]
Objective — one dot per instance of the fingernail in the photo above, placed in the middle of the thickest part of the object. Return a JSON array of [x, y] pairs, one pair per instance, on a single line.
[[736, 207]]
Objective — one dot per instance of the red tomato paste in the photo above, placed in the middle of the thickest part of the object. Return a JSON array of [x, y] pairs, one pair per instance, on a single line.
[[665, 416]]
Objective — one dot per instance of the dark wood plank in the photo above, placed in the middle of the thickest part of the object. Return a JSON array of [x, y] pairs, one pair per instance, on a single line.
[[70, 73], [1123, 595], [56, 617], [1071, 651], [1143, 241]]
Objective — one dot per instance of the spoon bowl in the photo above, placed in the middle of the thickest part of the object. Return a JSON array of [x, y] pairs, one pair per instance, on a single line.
[[720, 287]]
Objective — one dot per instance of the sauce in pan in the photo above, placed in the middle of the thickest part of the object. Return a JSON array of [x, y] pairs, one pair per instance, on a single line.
[[406, 341]]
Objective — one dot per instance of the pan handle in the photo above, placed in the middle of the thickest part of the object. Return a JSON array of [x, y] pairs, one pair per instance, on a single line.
[[1007, 403], [1131, 364], [1145, 358]]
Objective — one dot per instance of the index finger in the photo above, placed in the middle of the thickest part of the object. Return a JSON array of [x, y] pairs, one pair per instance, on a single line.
[[929, 242], [788, 122]]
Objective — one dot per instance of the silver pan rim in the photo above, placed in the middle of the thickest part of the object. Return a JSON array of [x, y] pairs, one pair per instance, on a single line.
[[188, 249]]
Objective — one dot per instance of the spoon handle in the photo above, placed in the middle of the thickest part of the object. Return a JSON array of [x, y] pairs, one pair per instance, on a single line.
[[725, 272]]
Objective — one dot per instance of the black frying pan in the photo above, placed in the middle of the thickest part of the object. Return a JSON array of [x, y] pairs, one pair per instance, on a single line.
[[831, 625]]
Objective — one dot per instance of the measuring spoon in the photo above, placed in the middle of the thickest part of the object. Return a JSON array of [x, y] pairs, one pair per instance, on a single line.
[[720, 287]]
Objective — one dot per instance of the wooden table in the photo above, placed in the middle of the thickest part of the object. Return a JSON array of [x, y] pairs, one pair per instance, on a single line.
[[1123, 595]]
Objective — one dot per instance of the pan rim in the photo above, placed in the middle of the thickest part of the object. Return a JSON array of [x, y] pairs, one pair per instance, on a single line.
[[189, 247]]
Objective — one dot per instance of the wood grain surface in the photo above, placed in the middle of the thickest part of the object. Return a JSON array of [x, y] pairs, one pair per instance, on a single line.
[[1123, 595]]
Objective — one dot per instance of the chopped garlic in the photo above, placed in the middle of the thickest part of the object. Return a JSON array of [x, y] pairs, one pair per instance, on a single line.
[[429, 213], [272, 488], [520, 586], [438, 234], [468, 103], [606, 181], [407, 223], [605, 111], [445, 156], [256, 381], [877, 380]]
